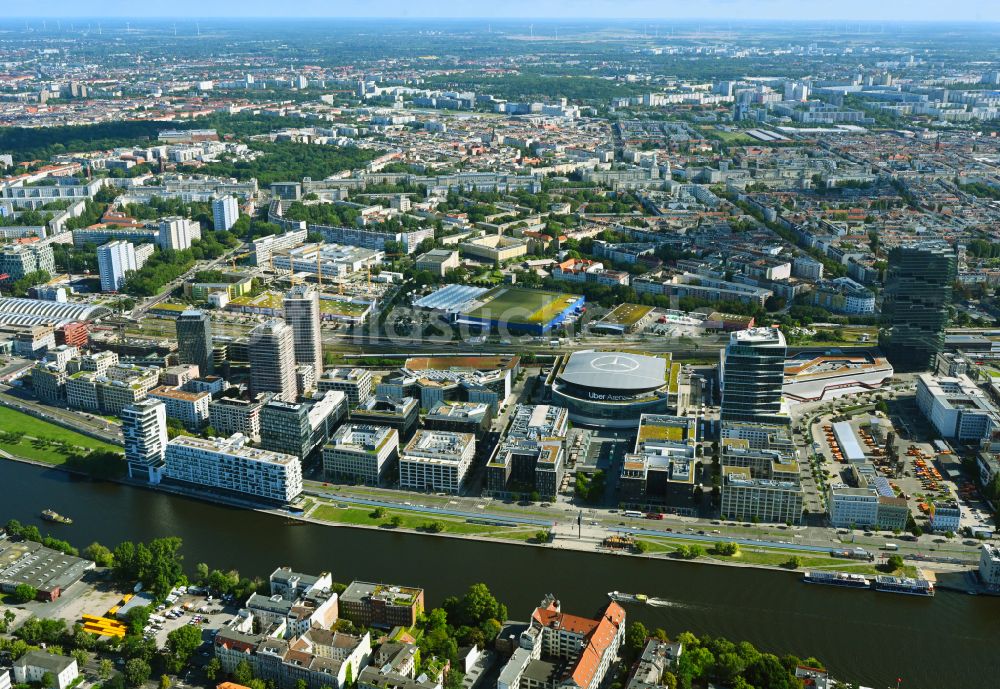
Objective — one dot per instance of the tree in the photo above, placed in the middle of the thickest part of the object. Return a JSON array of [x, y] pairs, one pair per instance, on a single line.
[[36, 630], [635, 638], [101, 555], [378, 513], [25, 593], [104, 669], [137, 672], [201, 572], [48, 680], [183, 642], [396, 521], [137, 619], [242, 673], [640, 547], [669, 680], [212, 668], [302, 684], [165, 681], [80, 656], [729, 549], [895, 562]]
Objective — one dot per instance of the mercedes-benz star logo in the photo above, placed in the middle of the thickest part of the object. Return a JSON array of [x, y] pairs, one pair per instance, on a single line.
[[614, 363]]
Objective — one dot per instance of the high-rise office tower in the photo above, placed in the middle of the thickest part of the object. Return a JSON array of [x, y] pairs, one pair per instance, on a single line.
[[301, 307], [225, 212], [114, 261], [915, 303], [144, 428], [272, 360], [194, 340], [752, 372]]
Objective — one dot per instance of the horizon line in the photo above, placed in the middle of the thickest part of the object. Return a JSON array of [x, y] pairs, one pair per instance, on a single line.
[[425, 19]]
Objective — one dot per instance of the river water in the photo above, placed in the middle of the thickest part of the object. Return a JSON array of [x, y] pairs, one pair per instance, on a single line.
[[952, 640]]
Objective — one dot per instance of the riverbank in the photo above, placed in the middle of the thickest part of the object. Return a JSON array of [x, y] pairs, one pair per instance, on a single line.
[[865, 637], [562, 536], [368, 515]]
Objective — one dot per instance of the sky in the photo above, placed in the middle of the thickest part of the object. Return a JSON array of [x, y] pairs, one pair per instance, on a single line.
[[856, 10]]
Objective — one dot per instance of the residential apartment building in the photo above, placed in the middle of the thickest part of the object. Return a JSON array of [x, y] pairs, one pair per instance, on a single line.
[[225, 212], [752, 372], [115, 260], [301, 311], [177, 233], [190, 408], [361, 453], [33, 667], [144, 429], [109, 393], [299, 428], [229, 415], [230, 464], [562, 650], [18, 260], [272, 360], [437, 461], [381, 605], [844, 295]]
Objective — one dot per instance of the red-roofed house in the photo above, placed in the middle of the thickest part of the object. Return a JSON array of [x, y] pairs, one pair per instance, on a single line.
[[561, 651]]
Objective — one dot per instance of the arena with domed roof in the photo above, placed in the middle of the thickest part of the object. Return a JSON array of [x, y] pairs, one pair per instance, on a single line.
[[614, 389]]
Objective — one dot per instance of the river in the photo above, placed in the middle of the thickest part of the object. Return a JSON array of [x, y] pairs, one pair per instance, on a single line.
[[862, 636]]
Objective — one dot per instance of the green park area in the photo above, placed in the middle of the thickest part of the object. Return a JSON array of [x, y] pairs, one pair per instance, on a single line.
[[25, 436], [427, 522]]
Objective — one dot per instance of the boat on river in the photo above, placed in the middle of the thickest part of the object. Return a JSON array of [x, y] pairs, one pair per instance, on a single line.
[[845, 579], [53, 516], [619, 597]]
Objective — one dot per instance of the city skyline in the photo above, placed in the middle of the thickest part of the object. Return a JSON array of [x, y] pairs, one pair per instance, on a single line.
[[767, 10]]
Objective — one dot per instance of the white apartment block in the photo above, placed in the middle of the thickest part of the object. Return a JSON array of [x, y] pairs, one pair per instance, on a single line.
[[231, 464], [989, 565], [190, 408], [356, 383], [144, 428], [34, 665], [957, 407], [177, 233], [114, 261], [225, 212], [437, 461], [361, 452]]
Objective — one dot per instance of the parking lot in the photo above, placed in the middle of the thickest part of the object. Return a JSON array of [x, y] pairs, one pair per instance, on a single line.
[[189, 609]]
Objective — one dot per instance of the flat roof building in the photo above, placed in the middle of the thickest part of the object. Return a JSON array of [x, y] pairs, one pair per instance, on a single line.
[[751, 375], [230, 464], [360, 452], [436, 461], [957, 408]]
